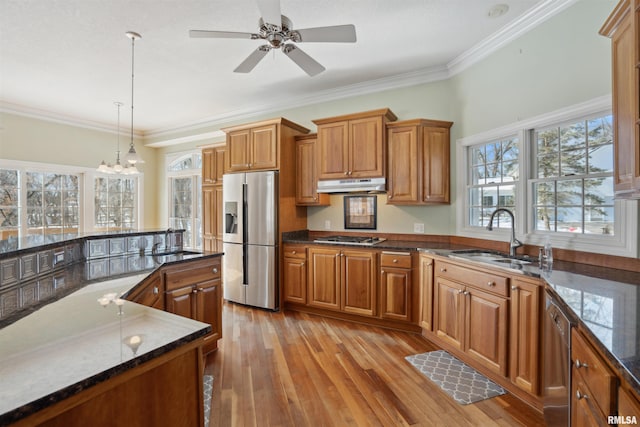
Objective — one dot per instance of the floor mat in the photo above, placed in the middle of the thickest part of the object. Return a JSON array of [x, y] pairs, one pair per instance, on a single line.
[[463, 383], [208, 387]]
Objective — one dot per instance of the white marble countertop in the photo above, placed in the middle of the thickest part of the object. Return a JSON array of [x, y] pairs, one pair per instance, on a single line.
[[75, 340]]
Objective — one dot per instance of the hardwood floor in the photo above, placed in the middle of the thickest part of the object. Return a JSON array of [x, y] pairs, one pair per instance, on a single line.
[[295, 369]]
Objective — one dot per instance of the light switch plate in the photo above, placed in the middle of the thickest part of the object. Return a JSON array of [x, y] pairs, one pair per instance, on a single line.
[[418, 227], [327, 225]]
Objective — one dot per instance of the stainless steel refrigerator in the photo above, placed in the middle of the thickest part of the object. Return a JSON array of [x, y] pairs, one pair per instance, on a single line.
[[250, 238]]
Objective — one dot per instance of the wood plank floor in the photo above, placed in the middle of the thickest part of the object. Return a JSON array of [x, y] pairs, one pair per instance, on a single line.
[[295, 369]]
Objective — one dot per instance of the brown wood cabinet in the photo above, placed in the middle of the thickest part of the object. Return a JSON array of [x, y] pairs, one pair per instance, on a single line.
[[426, 292], [525, 334], [295, 274], [213, 169], [418, 162], [255, 148], [353, 145], [150, 292], [194, 290], [628, 405], [594, 383], [396, 286], [342, 280], [470, 313], [622, 27], [306, 173], [213, 165]]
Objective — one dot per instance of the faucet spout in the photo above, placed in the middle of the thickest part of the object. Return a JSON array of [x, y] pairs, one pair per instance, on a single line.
[[514, 243]]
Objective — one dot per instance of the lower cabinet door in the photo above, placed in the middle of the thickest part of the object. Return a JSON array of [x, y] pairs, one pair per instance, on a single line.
[[359, 282], [324, 278], [449, 312], [395, 293], [180, 302], [208, 308], [486, 329], [295, 280]]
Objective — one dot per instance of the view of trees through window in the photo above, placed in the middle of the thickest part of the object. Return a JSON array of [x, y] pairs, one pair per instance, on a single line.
[[494, 172], [115, 207], [185, 192], [9, 203], [573, 184]]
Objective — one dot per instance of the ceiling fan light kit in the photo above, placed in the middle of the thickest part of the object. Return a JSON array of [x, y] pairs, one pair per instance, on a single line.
[[278, 31]]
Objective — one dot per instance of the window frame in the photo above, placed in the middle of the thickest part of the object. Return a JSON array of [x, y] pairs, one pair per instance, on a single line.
[[622, 243], [196, 175]]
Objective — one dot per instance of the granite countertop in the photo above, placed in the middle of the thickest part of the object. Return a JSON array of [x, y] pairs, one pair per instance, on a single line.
[[35, 358], [604, 301]]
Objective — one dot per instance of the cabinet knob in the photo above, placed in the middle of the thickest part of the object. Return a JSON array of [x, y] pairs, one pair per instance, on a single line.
[[428, 196], [215, 270], [460, 291], [390, 197], [490, 283], [466, 293], [382, 271], [443, 269], [302, 264], [155, 290], [293, 252], [580, 364], [395, 261], [346, 173], [514, 288], [195, 291], [580, 396], [315, 198]]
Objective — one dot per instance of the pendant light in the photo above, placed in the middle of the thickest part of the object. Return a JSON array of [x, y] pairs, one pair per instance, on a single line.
[[132, 157]]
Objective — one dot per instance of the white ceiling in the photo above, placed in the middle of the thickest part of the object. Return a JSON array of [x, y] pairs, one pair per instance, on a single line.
[[71, 58]]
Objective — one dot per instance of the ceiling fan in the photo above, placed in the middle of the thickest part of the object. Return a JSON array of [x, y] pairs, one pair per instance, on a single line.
[[278, 31]]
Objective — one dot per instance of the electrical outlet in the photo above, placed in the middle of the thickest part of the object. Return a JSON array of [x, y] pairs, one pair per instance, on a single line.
[[418, 227], [327, 225]]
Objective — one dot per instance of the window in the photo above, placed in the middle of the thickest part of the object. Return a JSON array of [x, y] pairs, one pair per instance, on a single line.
[[555, 171], [573, 182], [9, 203], [184, 172], [115, 202], [494, 173], [53, 203]]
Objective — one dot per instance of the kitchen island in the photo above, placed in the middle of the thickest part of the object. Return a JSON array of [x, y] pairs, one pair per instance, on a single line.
[[85, 354]]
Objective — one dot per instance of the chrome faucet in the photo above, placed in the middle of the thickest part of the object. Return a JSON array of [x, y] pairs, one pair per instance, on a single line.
[[514, 244]]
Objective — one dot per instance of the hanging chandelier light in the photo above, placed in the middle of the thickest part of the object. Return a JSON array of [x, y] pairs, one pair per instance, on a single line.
[[132, 158]]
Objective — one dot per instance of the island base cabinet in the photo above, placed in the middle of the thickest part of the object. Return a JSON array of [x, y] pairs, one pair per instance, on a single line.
[[163, 392]]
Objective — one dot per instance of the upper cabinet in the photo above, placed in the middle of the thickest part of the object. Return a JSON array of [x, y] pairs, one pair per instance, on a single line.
[[307, 172], [353, 146], [257, 146], [622, 27], [213, 166], [418, 159]]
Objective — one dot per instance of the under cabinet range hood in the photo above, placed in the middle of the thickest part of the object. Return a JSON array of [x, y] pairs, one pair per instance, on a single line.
[[371, 185]]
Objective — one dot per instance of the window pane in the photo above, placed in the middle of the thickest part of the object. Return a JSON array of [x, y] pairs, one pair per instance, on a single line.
[[548, 166], [510, 149], [9, 196], [493, 152], [544, 193], [573, 162], [52, 181], [477, 175], [545, 218], [8, 178], [34, 181], [547, 142], [493, 173], [598, 191], [510, 171], [8, 217], [599, 220], [573, 136], [600, 131], [475, 194], [601, 159], [475, 217], [477, 155], [507, 196], [569, 193], [570, 220]]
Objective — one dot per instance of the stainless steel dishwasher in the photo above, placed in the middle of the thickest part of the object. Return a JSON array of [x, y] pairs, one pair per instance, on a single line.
[[556, 362]]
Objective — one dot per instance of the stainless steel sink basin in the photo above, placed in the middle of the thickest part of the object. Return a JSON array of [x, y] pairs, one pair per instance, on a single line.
[[490, 257], [512, 261]]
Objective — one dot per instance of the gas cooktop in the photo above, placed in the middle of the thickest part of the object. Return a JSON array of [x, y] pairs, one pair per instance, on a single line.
[[351, 240]]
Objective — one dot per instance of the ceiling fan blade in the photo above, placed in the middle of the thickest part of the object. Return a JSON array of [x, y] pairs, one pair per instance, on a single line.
[[304, 61], [270, 11], [252, 60], [221, 34], [338, 33]]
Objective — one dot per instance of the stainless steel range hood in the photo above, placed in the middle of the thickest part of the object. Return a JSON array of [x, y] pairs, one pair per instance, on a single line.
[[370, 185]]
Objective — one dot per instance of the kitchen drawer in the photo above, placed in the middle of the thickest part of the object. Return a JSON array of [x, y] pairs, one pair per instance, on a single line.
[[178, 277], [591, 369], [291, 251], [478, 279], [395, 259]]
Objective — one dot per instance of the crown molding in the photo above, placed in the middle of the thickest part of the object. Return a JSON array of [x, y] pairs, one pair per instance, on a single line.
[[523, 24]]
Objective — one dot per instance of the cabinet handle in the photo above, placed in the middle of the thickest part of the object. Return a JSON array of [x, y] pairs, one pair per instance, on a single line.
[[491, 284], [215, 270], [382, 271], [580, 396], [390, 197], [346, 173], [514, 288], [466, 293], [155, 290], [443, 269], [195, 291], [580, 364], [395, 261], [460, 291], [302, 264]]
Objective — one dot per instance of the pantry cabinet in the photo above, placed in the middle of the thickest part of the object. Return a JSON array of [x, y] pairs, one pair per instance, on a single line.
[[353, 146], [307, 173], [213, 169], [418, 162], [623, 27]]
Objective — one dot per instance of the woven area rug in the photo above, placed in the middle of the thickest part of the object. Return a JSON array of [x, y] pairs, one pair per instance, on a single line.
[[208, 387], [463, 383]]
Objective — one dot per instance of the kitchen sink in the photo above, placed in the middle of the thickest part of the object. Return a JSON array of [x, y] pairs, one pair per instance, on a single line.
[[490, 257]]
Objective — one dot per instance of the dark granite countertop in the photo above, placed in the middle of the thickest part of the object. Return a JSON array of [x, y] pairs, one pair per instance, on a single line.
[[604, 301], [61, 346]]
